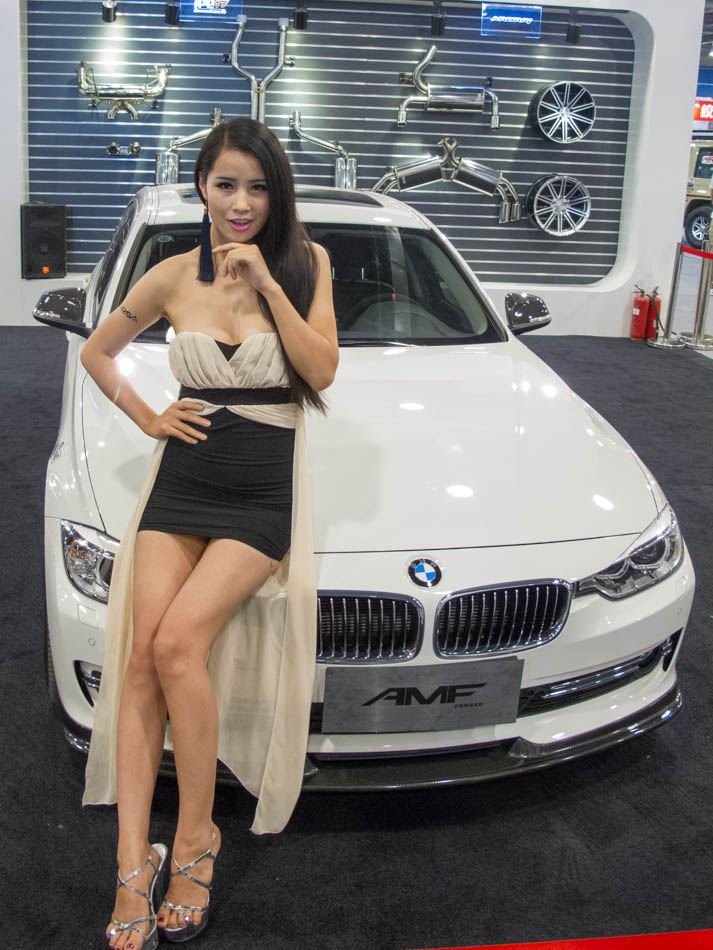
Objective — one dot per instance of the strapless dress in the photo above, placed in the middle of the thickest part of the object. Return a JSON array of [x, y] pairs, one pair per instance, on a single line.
[[262, 661], [237, 483]]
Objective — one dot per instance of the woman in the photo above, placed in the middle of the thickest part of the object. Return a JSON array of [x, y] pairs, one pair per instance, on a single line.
[[216, 529]]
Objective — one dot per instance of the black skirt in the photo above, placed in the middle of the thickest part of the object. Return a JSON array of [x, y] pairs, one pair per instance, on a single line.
[[236, 484]]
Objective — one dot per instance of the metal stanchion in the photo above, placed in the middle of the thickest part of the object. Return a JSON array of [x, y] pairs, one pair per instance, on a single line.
[[699, 340], [670, 340]]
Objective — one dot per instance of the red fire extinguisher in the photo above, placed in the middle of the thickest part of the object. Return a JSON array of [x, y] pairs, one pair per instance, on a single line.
[[652, 318], [640, 315]]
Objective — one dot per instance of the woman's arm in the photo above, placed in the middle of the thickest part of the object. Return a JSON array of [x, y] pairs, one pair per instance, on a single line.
[[141, 308], [311, 344]]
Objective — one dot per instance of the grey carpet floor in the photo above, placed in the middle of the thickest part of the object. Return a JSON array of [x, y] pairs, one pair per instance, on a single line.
[[618, 843]]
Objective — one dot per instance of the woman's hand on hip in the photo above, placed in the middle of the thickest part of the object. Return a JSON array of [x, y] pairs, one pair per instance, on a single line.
[[175, 421], [243, 261]]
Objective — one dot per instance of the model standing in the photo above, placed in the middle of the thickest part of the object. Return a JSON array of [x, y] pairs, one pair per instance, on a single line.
[[222, 524]]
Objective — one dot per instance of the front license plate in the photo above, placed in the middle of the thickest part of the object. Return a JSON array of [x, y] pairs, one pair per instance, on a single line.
[[421, 698]]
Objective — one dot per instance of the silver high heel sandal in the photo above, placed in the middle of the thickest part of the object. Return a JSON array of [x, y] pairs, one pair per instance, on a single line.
[[190, 930], [153, 896]]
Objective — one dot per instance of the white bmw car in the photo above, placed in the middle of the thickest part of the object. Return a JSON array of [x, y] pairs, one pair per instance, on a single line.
[[502, 583]]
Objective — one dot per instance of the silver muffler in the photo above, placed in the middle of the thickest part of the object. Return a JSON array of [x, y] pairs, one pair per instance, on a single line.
[[446, 98]]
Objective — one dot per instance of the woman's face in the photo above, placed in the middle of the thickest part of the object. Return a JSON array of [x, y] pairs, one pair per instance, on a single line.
[[236, 192]]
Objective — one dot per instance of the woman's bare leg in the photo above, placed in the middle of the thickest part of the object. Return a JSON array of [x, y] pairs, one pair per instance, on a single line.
[[227, 573], [162, 563]]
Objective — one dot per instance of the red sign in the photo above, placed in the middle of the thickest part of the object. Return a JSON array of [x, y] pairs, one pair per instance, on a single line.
[[703, 110], [688, 940]]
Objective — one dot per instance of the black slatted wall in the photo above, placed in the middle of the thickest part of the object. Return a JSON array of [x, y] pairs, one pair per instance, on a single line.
[[345, 82]]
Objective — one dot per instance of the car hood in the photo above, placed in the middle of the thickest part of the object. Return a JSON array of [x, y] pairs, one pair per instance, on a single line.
[[421, 448]]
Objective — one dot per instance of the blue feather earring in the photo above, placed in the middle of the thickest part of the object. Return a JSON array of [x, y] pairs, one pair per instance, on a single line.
[[206, 274]]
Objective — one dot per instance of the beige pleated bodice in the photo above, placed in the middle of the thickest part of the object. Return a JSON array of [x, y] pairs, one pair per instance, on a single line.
[[262, 661]]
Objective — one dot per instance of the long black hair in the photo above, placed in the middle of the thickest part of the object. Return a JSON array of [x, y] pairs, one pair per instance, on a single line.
[[283, 240]]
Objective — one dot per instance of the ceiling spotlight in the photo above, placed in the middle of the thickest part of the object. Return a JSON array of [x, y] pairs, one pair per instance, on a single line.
[[438, 19], [108, 11], [172, 15], [573, 28], [301, 16]]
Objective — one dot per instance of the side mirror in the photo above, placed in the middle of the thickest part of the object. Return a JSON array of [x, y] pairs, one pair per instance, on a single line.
[[63, 309], [526, 312]]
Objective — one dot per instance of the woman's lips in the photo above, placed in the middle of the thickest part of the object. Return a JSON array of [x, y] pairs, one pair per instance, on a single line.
[[240, 225]]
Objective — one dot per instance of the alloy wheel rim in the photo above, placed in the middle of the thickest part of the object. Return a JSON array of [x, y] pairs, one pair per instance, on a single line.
[[559, 205], [564, 112]]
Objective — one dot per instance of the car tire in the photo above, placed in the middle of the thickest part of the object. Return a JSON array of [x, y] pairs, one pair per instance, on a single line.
[[696, 225]]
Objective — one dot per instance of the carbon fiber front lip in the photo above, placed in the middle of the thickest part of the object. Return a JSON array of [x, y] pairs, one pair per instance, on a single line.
[[464, 767]]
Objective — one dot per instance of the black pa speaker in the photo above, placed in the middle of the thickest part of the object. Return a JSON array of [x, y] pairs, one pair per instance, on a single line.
[[44, 240]]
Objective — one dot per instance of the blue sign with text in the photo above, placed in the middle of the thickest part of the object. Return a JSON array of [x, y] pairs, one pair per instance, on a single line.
[[516, 19], [221, 10]]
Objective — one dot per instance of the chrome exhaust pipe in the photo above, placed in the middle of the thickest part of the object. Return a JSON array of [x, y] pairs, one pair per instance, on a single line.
[[123, 97], [345, 168], [283, 25], [242, 20], [420, 67], [425, 172], [168, 162], [258, 90], [494, 108], [446, 98]]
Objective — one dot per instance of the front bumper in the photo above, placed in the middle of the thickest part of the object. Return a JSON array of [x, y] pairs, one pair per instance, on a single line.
[[462, 767], [466, 767], [610, 675]]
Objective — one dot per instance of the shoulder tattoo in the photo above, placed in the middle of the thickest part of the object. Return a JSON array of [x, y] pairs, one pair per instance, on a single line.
[[128, 313]]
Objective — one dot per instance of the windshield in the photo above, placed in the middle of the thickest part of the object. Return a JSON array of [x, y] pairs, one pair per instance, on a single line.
[[391, 285]]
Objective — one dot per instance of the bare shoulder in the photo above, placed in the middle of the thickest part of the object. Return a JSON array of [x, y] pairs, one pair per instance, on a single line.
[[319, 251], [171, 269], [323, 258], [169, 277]]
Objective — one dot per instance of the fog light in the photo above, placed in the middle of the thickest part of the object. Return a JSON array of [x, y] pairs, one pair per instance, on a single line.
[[89, 676]]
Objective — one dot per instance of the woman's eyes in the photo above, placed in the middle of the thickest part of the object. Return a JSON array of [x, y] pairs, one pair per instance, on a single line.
[[224, 185]]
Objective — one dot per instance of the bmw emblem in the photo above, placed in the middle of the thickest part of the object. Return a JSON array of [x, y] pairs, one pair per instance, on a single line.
[[424, 572]]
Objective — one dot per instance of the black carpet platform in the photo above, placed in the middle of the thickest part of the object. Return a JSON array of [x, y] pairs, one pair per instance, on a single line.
[[619, 843]]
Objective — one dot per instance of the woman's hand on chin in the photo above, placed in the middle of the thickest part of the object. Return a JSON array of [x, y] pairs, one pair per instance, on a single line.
[[243, 261]]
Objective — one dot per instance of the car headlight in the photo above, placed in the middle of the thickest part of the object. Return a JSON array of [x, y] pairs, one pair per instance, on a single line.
[[88, 563], [656, 554]]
